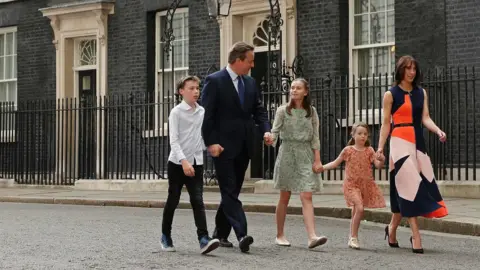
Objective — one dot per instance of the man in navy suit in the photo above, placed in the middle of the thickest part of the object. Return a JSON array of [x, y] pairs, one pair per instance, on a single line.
[[232, 108]]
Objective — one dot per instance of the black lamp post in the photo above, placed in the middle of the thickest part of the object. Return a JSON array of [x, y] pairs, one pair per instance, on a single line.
[[216, 8], [275, 21]]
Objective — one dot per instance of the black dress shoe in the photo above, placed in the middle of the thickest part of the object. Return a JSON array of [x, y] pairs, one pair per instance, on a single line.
[[245, 243], [225, 243]]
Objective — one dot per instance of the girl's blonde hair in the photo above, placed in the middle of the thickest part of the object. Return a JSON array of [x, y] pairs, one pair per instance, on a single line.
[[354, 129]]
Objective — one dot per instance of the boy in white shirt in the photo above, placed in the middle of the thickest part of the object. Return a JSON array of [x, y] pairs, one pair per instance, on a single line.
[[185, 164]]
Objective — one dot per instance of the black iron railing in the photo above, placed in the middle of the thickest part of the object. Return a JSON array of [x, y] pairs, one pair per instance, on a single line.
[[344, 100], [125, 135]]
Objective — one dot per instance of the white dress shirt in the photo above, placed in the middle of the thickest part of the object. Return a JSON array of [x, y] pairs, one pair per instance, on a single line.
[[185, 132], [234, 77]]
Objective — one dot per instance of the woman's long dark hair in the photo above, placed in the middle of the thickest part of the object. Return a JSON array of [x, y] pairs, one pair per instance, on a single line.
[[307, 101], [404, 62]]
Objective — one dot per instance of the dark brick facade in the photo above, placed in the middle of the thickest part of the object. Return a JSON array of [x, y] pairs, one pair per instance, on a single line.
[[204, 39], [36, 53], [420, 30], [463, 32], [322, 31]]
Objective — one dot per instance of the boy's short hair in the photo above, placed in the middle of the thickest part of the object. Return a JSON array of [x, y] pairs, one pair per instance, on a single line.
[[181, 83]]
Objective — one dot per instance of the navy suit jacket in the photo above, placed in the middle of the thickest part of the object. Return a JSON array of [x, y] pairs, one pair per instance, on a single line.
[[226, 121]]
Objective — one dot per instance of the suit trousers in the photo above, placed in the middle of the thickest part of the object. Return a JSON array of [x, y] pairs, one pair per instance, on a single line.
[[231, 173]]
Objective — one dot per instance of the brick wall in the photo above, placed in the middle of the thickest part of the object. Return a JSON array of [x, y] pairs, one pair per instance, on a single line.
[[463, 32], [204, 39], [322, 32], [420, 31], [463, 39], [36, 53], [35, 80], [127, 47]]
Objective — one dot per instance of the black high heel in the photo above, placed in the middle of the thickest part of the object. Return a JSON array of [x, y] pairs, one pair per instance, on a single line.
[[416, 250], [387, 234]]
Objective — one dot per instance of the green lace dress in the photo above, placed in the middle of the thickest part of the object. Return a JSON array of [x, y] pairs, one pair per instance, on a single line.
[[299, 136]]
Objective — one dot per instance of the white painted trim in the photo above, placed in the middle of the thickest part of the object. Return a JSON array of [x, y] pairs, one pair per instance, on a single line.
[[160, 129], [9, 29], [69, 23], [353, 70], [376, 45], [230, 25], [89, 67], [8, 135]]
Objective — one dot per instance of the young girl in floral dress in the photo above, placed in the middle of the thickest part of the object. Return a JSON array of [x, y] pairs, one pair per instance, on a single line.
[[298, 162], [359, 187]]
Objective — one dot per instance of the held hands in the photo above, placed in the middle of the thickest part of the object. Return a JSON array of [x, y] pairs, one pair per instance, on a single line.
[[268, 138], [188, 169], [317, 166], [379, 154], [215, 150], [441, 135], [380, 157]]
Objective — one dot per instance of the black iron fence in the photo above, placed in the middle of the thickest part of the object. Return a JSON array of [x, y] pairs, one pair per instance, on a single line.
[[343, 100], [125, 135]]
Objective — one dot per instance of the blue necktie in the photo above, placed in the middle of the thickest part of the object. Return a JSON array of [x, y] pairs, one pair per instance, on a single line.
[[241, 90]]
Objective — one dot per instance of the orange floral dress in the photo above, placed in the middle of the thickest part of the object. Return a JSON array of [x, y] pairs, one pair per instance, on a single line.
[[359, 187]]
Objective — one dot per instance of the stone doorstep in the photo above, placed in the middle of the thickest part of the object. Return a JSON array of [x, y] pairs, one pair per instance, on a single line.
[[448, 189], [378, 216]]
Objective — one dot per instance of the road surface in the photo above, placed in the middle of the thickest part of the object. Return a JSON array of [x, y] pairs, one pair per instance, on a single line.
[[42, 236]]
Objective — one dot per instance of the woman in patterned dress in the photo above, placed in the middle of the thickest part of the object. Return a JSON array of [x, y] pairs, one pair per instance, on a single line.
[[298, 162], [413, 190]]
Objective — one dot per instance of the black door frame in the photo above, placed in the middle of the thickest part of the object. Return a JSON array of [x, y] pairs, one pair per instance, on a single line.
[[87, 154]]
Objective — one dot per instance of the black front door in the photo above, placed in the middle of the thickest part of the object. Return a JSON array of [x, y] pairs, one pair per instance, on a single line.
[[263, 158], [87, 129]]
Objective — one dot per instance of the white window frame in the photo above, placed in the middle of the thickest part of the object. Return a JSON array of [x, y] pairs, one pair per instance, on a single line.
[[9, 135], [161, 129], [367, 115]]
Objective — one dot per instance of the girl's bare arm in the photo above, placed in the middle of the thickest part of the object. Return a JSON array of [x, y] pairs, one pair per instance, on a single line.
[[335, 163]]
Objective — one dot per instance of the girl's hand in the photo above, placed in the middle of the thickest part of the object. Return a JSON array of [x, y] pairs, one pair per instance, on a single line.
[[268, 138], [317, 167], [379, 153], [380, 157], [441, 135]]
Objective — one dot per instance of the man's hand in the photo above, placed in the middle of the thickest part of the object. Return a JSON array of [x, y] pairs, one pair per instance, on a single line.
[[215, 150], [268, 138], [317, 166], [188, 169]]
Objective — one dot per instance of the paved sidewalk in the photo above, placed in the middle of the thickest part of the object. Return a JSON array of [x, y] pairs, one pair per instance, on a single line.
[[464, 217]]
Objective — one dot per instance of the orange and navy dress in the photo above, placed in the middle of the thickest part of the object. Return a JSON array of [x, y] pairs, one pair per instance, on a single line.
[[413, 190]]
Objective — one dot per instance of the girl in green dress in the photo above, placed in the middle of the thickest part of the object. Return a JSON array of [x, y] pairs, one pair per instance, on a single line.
[[298, 162]]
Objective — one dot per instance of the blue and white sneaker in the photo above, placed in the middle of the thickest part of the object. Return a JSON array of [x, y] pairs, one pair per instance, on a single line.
[[167, 243], [208, 244]]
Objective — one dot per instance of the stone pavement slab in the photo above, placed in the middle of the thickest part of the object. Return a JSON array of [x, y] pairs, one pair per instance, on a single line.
[[463, 218]]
